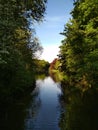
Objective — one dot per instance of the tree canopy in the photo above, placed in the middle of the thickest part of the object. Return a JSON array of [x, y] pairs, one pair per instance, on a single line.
[[18, 44], [79, 49]]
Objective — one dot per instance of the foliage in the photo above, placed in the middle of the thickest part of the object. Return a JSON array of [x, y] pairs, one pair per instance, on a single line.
[[54, 66], [42, 66], [79, 49], [17, 50], [80, 112], [79, 64], [54, 70]]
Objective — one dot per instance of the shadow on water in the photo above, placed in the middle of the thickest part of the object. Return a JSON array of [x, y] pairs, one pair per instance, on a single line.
[[81, 111], [42, 109], [57, 77], [46, 106], [12, 117], [39, 110]]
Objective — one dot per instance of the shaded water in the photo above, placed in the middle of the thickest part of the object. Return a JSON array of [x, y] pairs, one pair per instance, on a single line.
[[81, 110], [44, 112], [38, 111]]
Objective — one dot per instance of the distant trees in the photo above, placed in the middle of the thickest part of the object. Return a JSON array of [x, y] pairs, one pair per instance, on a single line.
[[79, 64], [79, 49], [42, 66], [17, 50], [54, 66], [54, 70]]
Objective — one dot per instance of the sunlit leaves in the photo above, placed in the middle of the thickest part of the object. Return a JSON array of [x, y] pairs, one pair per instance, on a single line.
[[79, 50], [17, 50]]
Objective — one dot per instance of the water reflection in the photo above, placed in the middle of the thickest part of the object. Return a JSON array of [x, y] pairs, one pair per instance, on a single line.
[[81, 111], [57, 77], [42, 109], [39, 110], [46, 106], [12, 117]]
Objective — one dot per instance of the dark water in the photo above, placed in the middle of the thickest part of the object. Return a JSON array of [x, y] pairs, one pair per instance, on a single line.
[[38, 111], [81, 110], [44, 112], [44, 109]]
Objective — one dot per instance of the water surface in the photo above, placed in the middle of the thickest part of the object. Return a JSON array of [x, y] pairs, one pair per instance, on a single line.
[[44, 111], [39, 110]]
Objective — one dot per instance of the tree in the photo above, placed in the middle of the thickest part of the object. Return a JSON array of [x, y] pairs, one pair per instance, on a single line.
[[80, 45], [42, 66], [16, 52]]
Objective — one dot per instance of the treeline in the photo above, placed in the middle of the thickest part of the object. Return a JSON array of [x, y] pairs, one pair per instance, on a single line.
[[54, 66], [42, 66], [79, 49], [18, 45], [54, 70], [79, 64]]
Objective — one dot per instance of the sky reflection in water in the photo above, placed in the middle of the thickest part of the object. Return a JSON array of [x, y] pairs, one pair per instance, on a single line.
[[46, 106]]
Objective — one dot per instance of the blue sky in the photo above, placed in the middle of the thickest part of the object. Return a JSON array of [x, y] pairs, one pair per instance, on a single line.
[[48, 32]]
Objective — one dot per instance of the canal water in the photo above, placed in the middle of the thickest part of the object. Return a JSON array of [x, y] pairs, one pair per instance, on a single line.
[[44, 111], [40, 110]]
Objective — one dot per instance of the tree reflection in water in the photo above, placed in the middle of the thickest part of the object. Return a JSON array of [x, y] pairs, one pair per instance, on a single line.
[[81, 111]]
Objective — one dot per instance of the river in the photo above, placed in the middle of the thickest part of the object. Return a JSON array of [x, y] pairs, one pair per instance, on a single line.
[[44, 109], [40, 110]]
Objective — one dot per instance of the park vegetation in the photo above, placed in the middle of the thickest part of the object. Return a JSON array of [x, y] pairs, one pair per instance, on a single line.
[[18, 46], [79, 49], [79, 63], [42, 67], [54, 70]]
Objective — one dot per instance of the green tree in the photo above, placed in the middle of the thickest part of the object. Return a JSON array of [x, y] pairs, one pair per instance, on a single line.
[[42, 66], [79, 49], [17, 50]]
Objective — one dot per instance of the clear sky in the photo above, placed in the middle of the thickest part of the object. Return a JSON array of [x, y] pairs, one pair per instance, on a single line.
[[48, 32]]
